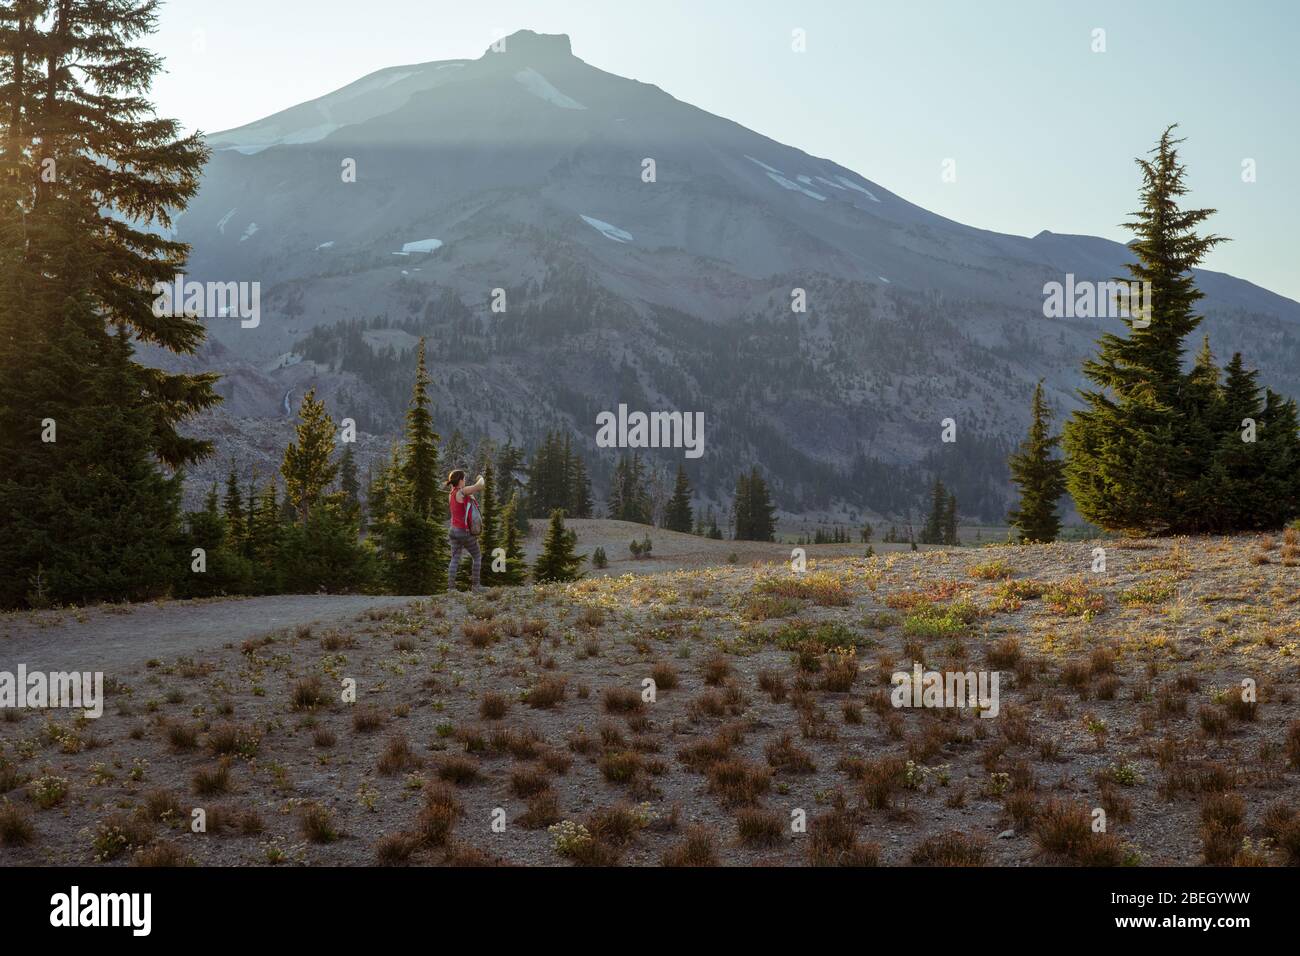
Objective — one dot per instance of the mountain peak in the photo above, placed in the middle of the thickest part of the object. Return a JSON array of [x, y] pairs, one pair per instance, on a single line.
[[527, 45]]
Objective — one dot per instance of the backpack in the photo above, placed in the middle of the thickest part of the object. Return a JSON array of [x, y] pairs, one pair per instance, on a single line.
[[473, 517]]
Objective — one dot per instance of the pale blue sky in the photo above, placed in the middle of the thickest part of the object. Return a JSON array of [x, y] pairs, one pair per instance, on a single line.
[[1043, 130]]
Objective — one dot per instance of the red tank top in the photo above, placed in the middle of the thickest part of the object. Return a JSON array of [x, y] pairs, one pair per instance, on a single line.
[[457, 509]]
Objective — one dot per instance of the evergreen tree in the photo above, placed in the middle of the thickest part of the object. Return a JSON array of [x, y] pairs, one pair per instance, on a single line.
[[72, 93], [558, 561], [233, 505], [628, 499], [1040, 477], [678, 516], [579, 489], [308, 467], [264, 535], [933, 530], [950, 520], [1232, 490], [413, 534], [1279, 496], [89, 516], [420, 453], [105, 525], [741, 507], [225, 569], [516, 571], [490, 539], [755, 515], [349, 485], [1135, 451]]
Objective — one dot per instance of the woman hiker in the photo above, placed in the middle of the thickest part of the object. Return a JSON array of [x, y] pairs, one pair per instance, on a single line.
[[462, 538]]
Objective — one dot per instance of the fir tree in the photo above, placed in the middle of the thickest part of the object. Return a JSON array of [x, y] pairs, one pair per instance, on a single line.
[[349, 485], [1040, 476], [579, 489], [558, 561], [308, 467], [490, 539], [75, 290], [264, 537], [413, 535], [516, 571], [678, 515], [72, 92], [933, 530], [233, 506], [1279, 496], [105, 525], [1136, 449], [628, 499], [420, 452], [950, 520], [755, 515]]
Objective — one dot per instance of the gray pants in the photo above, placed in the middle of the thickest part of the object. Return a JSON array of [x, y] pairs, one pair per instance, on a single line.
[[462, 540]]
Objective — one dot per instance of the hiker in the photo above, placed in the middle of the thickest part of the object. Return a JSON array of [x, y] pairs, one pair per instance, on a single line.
[[459, 502]]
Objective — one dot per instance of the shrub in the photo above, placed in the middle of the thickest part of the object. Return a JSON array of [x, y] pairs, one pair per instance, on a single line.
[[697, 848], [317, 824]]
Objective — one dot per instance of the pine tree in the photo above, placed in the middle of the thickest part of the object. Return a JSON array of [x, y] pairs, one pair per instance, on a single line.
[[79, 145], [1040, 477], [678, 516], [628, 499], [72, 92], [579, 489], [265, 530], [1279, 497], [558, 561], [741, 508], [420, 452], [1135, 451], [309, 468], [413, 536], [516, 571], [349, 485], [950, 520], [105, 525], [490, 539], [755, 515], [932, 532], [233, 506]]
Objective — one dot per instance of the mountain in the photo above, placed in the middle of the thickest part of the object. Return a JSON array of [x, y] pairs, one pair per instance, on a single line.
[[520, 177]]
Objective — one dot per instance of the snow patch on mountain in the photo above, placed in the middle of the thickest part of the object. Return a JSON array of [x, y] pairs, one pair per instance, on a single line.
[[221, 223], [541, 87], [796, 187], [421, 245], [249, 232], [326, 245], [852, 185], [608, 231], [770, 169]]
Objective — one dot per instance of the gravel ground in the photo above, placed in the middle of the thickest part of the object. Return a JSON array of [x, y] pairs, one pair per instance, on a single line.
[[1119, 690]]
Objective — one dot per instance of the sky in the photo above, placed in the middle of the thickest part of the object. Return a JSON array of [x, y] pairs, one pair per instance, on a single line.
[[1038, 114]]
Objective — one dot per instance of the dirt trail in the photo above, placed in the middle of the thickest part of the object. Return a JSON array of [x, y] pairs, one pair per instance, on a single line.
[[117, 636]]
